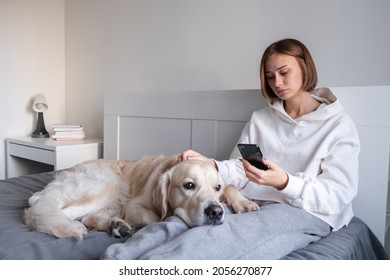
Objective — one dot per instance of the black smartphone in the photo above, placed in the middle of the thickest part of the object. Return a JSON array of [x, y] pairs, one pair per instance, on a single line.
[[253, 154]]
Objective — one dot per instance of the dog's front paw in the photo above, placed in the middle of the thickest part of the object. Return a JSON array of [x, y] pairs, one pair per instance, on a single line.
[[245, 205], [119, 229]]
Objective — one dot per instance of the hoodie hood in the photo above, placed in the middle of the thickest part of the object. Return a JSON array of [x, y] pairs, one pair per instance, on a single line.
[[330, 107]]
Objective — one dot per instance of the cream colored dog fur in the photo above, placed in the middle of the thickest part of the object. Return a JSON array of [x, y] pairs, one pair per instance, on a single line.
[[121, 196]]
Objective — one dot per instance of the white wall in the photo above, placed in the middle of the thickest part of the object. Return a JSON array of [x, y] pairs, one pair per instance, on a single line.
[[32, 60], [142, 45], [104, 46]]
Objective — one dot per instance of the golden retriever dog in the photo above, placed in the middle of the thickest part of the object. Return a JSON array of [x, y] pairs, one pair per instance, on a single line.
[[121, 196]]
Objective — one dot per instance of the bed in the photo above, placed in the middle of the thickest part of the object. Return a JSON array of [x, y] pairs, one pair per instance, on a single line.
[[209, 122]]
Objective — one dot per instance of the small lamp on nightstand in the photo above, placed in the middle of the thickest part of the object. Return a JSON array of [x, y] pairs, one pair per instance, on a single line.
[[39, 106]]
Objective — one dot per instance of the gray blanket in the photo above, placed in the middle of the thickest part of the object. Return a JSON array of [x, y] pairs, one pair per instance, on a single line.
[[18, 242], [355, 242]]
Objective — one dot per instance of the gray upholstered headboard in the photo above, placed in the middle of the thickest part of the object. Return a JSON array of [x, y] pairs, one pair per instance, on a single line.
[[138, 124]]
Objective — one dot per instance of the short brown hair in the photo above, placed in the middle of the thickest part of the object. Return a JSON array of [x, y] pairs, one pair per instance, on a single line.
[[298, 50]]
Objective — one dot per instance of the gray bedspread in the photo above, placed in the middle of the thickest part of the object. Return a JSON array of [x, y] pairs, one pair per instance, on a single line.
[[355, 242], [18, 242]]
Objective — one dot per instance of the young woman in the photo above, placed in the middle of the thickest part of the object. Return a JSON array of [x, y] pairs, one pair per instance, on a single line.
[[311, 144], [312, 148]]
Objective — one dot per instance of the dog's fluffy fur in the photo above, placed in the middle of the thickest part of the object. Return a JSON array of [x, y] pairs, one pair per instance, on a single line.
[[121, 196]]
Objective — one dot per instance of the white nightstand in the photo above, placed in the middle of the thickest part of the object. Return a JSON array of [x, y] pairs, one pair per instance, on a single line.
[[26, 155]]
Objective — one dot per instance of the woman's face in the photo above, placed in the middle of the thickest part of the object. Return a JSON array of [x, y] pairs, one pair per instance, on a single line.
[[284, 75]]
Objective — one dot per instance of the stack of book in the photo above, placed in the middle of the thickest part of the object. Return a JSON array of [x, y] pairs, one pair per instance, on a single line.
[[68, 132]]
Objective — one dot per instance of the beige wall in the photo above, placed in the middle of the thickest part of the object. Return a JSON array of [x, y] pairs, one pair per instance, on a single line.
[[32, 60]]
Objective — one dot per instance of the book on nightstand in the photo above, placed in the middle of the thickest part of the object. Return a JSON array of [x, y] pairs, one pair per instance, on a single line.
[[63, 132]]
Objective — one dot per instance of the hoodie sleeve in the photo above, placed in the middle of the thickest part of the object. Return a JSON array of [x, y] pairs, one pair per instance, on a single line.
[[232, 170]]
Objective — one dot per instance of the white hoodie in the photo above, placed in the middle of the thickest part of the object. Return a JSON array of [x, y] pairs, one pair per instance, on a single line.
[[319, 151]]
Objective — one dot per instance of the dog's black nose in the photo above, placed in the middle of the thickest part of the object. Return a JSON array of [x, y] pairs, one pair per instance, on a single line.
[[214, 213]]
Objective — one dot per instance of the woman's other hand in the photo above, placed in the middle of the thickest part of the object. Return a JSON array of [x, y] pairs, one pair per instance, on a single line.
[[190, 154]]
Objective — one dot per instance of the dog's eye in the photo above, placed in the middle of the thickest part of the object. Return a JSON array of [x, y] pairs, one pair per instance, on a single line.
[[218, 188], [189, 186]]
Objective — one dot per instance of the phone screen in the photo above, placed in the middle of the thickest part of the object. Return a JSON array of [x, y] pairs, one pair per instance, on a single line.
[[253, 154]]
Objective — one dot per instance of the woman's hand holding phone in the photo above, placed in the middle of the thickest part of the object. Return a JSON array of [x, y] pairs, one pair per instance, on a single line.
[[265, 173]]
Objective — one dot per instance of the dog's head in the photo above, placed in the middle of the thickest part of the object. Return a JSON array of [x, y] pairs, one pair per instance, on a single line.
[[192, 191]]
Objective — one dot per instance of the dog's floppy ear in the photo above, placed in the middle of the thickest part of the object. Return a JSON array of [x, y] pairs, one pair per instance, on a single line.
[[160, 194]]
